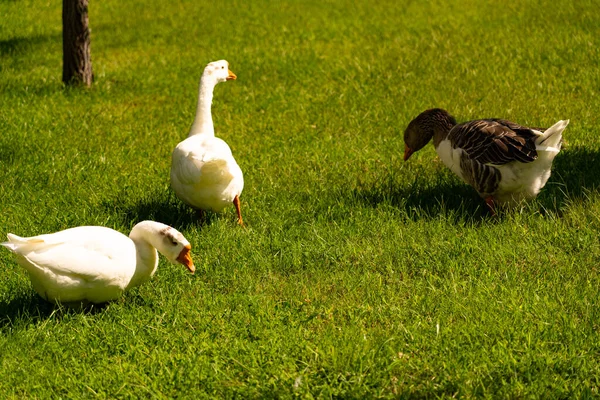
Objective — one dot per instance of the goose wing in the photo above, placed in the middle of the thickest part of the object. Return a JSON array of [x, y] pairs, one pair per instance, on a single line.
[[91, 254], [206, 160], [495, 141]]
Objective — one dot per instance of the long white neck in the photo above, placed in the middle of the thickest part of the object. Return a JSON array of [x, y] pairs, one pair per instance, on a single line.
[[203, 123], [146, 237]]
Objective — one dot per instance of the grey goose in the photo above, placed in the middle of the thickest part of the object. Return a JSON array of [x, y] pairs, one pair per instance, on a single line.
[[505, 162]]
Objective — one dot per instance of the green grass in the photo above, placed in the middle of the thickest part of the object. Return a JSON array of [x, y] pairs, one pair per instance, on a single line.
[[358, 275]]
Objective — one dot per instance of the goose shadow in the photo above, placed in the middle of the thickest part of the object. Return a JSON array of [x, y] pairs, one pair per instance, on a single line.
[[25, 307], [421, 198], [33, 309], [575, 173], [161, 207]]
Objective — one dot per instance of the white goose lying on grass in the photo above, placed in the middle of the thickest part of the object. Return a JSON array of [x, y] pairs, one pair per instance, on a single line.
[[96, 264], [505, 162], [204, 173]]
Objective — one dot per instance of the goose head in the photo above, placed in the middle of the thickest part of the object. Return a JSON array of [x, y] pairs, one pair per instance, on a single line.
[[420, 130], [218, 71], [175, 247]]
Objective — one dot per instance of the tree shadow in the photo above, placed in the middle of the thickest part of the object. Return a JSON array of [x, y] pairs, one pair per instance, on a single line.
[[8, 154], [20, 45], [16, 52]]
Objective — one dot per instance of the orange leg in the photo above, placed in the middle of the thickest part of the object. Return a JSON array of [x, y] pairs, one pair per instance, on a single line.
[[236, 203], [489, 201]]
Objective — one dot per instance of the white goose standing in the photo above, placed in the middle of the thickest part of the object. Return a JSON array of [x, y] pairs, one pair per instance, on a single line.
[[505, 162], [204, 173], [94, 263]]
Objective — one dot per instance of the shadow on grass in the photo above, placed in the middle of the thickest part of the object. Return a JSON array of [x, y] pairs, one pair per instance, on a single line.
[[419, 194], [576, 172], [20, 45], [161, 207], [33, 309], [8, 154], [452, 199]]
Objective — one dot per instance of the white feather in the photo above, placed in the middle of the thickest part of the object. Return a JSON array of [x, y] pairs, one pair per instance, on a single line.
[[204, 173], [91, 263]]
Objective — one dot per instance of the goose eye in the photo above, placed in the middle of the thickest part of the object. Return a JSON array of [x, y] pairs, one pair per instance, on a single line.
[[174, 243], [222, 67]]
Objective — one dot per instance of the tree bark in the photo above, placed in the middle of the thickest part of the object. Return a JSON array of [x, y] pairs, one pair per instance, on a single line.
[[77, 61]]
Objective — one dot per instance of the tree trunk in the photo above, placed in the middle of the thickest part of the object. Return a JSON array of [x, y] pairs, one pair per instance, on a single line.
[[77, 61]]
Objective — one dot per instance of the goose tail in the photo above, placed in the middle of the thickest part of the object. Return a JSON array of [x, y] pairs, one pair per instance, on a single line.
[[15, 242], [8, 245], [551, 139]]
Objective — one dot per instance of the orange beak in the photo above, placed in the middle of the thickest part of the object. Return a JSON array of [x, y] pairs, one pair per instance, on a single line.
[[231, 76], [186, 259], [407, 152]]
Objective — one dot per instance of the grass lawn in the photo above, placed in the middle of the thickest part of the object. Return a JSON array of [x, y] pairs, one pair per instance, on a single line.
[[358, 275]]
